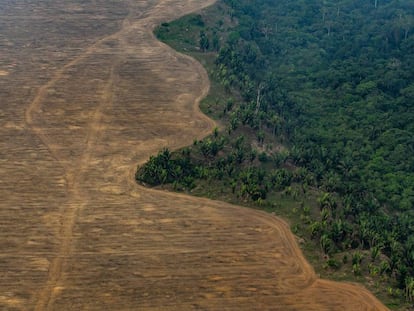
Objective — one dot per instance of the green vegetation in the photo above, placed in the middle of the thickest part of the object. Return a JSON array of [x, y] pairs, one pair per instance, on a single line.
[[316, 101]]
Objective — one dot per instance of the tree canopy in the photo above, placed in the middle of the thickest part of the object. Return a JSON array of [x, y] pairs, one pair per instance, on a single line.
[[332, 81]]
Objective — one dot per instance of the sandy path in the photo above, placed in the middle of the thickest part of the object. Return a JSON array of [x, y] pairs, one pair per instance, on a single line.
[[84, 104]]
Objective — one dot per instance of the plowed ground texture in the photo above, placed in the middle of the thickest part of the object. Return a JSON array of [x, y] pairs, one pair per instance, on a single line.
[[86, 93]]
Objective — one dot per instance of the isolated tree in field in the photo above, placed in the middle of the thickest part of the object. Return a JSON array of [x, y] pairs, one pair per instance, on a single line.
[[326, 244]]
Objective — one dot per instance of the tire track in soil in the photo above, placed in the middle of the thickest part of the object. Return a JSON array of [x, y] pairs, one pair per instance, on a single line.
[[44, 300]]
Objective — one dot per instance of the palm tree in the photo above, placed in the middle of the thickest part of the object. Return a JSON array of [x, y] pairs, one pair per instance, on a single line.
[[326, 244], [409, 288]]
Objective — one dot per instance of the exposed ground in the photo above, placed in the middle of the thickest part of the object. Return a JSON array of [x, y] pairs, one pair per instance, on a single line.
[[86, 93]]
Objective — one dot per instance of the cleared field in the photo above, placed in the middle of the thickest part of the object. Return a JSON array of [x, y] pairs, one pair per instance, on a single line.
[[86, 93]]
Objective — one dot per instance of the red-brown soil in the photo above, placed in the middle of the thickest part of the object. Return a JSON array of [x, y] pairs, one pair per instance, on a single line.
[[86, 93]]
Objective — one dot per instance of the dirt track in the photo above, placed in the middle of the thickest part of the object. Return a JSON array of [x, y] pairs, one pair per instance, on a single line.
[[86, 93]]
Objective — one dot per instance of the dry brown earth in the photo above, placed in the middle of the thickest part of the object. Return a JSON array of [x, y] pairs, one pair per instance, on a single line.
[[86, 93]]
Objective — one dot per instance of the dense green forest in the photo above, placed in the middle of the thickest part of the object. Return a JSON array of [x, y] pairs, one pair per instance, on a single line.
[[316, 99]]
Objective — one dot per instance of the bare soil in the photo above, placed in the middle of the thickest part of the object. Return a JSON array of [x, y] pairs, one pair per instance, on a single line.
[[86, 93]]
